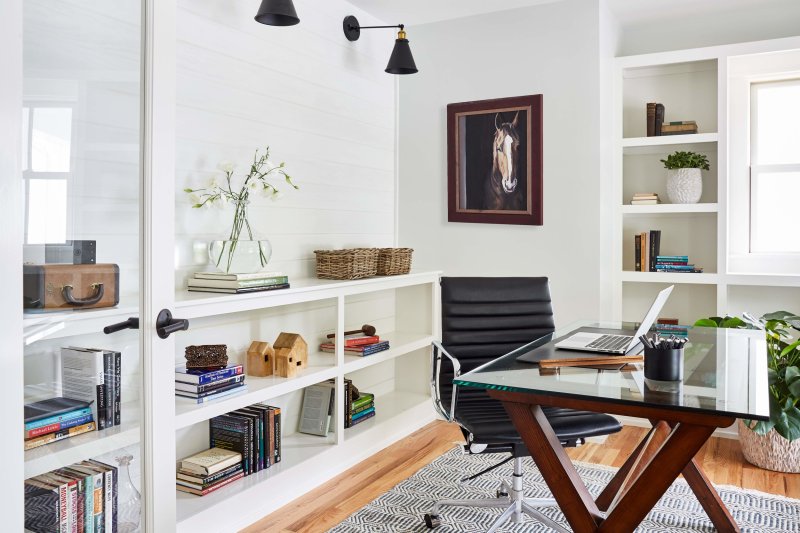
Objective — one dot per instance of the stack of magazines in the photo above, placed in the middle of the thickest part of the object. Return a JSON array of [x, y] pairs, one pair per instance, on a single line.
[[237, 283]]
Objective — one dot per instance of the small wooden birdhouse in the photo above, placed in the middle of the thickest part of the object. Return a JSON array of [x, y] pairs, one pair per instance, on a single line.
[[260, 359], [291, 354]]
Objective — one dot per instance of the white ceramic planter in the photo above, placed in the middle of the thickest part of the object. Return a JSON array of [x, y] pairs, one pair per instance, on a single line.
[[684, 185]]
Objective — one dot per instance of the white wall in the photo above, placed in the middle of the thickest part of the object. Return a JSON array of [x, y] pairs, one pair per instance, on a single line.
[[324, 105], [550, 49]]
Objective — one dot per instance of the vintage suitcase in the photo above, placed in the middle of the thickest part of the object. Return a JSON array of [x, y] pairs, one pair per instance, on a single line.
[[64, 286]]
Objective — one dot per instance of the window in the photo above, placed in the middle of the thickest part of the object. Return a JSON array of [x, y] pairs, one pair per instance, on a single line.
[[46, 165], [774, 166]]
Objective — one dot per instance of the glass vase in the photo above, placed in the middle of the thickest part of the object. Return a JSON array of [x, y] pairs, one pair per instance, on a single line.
[[129, 506], [240, 256]]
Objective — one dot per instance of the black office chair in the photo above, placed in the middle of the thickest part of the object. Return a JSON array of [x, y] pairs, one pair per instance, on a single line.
[[482, 319]]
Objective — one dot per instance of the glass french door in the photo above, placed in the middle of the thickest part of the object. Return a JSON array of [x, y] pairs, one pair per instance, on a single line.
[[94, 236]]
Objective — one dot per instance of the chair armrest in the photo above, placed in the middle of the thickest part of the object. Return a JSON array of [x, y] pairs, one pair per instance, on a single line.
[[437, 350]]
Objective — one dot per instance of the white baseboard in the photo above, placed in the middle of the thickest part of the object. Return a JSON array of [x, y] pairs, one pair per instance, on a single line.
[[729, 432]]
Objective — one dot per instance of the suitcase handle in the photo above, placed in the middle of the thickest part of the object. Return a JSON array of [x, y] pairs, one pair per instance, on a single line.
[[66, 291]]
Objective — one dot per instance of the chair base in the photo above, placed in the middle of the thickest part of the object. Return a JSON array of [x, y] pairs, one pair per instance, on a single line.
[[510, 497]]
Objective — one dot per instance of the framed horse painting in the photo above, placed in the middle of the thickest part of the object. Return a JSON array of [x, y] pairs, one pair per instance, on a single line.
[[494, 161]]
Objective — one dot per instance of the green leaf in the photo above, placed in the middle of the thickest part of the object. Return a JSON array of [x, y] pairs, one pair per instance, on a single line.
[[790, 347], [772, 376], [779, 315], [733, 322], [705, 323], [788, 423], [792, 377], [763, 427], [187, 189]]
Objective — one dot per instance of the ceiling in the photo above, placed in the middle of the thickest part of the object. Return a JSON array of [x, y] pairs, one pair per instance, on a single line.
[[627, 12]]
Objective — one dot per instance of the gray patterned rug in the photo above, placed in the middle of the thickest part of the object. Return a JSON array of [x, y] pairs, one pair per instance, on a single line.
[[402, 508]]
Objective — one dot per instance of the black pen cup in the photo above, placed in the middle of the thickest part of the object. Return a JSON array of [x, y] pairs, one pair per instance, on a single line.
[[663, 364]]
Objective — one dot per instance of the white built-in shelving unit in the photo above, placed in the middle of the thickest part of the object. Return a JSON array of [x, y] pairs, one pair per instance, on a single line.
[[692, 85]]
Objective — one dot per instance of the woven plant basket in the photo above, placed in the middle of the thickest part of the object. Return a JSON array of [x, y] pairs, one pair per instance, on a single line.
[[394, 261], [353, 263], [770, 451]]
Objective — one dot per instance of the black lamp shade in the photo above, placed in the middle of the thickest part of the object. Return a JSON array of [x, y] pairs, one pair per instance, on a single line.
[[401, 61], [277, 13]]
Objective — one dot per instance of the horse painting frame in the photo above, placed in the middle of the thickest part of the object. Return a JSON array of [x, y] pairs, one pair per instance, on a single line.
[[494, 161]]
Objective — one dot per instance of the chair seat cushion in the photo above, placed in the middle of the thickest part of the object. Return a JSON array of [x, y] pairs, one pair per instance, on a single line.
[[490, 424]]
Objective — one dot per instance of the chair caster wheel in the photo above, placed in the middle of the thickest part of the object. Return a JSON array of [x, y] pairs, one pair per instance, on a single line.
[[501, 494], [432, 520]]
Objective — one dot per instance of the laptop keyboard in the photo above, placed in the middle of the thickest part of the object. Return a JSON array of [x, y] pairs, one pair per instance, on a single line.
[[611, 342]]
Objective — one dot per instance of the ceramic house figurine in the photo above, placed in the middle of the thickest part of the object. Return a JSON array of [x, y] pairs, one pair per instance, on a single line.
[[260, 359], [291, 354]]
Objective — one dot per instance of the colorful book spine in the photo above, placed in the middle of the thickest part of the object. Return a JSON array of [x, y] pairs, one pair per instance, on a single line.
[[202, 378], [365, 412], [232, 433], [59, 435], [637, 250], [363, 399], [58, 418], [117, 388], [52, 428], [210, 489], [211, 392], [217, 395], [365, 417]]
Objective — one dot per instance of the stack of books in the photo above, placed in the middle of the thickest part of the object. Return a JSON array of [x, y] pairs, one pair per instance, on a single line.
[[647, 246], [95, 376], [206, 385], [208, 471], [675, 263], [657, 126], [254, 432], [359, 406], [79, 497], [56, 419], [644, 198], [358, 345], [237, 283], [670, 326]]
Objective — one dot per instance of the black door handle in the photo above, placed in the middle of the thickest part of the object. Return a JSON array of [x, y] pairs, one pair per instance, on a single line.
[[166, 324], [132, 323]]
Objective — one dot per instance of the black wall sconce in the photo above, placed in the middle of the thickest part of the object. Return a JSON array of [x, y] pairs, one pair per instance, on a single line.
[[277, 13], [401, 61]]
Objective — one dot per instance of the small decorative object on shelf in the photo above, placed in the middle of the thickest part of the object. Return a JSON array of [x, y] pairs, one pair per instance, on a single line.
[[260, 359], [236, 255], [206, 357], [130, 501], [57, 287], [394, 261], [354, 263], [291, 354], [684, 179]]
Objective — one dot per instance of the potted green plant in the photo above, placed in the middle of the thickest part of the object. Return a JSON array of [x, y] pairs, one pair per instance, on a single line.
[[773, 444], [684, 178]]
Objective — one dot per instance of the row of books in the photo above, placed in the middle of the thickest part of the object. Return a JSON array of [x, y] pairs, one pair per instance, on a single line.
[[237, 283], [79, 498], [644, 198], [241, 442], [364, 345], [91, 398], [669, 326], [648, 258], [206, 385], [657, 126], [359, 408]]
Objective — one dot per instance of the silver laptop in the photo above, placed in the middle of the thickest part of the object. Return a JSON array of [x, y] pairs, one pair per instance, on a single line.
[[618, 344]]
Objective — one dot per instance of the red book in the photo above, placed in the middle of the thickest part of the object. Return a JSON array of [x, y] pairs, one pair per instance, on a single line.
[[361, 341]]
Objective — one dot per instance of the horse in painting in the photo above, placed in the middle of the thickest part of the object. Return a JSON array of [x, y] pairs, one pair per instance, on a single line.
[[501, 191]]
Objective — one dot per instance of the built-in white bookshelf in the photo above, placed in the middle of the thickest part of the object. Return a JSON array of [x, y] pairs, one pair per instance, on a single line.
[[692, 85]]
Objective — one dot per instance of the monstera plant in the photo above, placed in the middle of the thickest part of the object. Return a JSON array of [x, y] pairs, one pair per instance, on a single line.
[[783, 363]]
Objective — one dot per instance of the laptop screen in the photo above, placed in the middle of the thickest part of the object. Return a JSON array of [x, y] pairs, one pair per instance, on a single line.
[[651, 316]]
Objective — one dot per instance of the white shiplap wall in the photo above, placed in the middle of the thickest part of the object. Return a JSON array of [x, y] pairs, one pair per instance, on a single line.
[[323, 105]]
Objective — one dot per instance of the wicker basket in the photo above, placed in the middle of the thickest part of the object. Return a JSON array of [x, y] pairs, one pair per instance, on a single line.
[[354, 263], [394, 261]]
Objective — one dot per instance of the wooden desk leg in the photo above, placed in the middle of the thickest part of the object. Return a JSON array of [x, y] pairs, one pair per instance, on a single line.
[[709, 498], [605, 498], [555, 466], [670, 460]]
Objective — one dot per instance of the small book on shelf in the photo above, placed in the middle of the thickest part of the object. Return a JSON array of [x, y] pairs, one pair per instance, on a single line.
[[210, 461], [317, 410]]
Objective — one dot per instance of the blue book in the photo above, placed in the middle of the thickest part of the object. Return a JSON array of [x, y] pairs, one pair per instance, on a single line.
[[660, 258], [58, 418], [216, 396], [201, 377], [362, 414]]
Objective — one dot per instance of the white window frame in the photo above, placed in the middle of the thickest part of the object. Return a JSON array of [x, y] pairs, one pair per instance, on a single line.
[[743, 72]]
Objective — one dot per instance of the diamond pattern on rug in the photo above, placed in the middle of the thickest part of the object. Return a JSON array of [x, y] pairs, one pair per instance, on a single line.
[[402, 508]]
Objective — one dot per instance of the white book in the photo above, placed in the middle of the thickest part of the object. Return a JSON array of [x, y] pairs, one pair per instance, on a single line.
[[315, 417], [210, 461], [83, 378], [237, 277], [237, 284]]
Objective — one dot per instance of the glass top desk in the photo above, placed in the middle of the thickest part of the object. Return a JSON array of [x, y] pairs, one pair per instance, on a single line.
[[724, 378]]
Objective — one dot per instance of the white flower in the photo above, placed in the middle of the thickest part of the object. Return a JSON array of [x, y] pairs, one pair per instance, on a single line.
[[275, 195], [227, 167], [213, 182], [253, 185]]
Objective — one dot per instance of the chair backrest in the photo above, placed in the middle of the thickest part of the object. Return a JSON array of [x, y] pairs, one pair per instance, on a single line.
[[484, 318]]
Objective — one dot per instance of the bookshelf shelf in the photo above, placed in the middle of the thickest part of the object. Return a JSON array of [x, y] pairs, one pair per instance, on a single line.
[[74, 449], [705, 278], [669, 209], [400, 344], [668, 143], [304, 459]]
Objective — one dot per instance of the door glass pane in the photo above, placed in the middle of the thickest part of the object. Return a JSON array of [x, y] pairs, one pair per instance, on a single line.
[[777, 123], [81, 172]]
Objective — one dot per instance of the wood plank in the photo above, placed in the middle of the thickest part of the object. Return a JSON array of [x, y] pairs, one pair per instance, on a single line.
[[583, 361]]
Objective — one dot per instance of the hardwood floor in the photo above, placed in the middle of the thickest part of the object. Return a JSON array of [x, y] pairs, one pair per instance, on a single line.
[[334, 501]]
